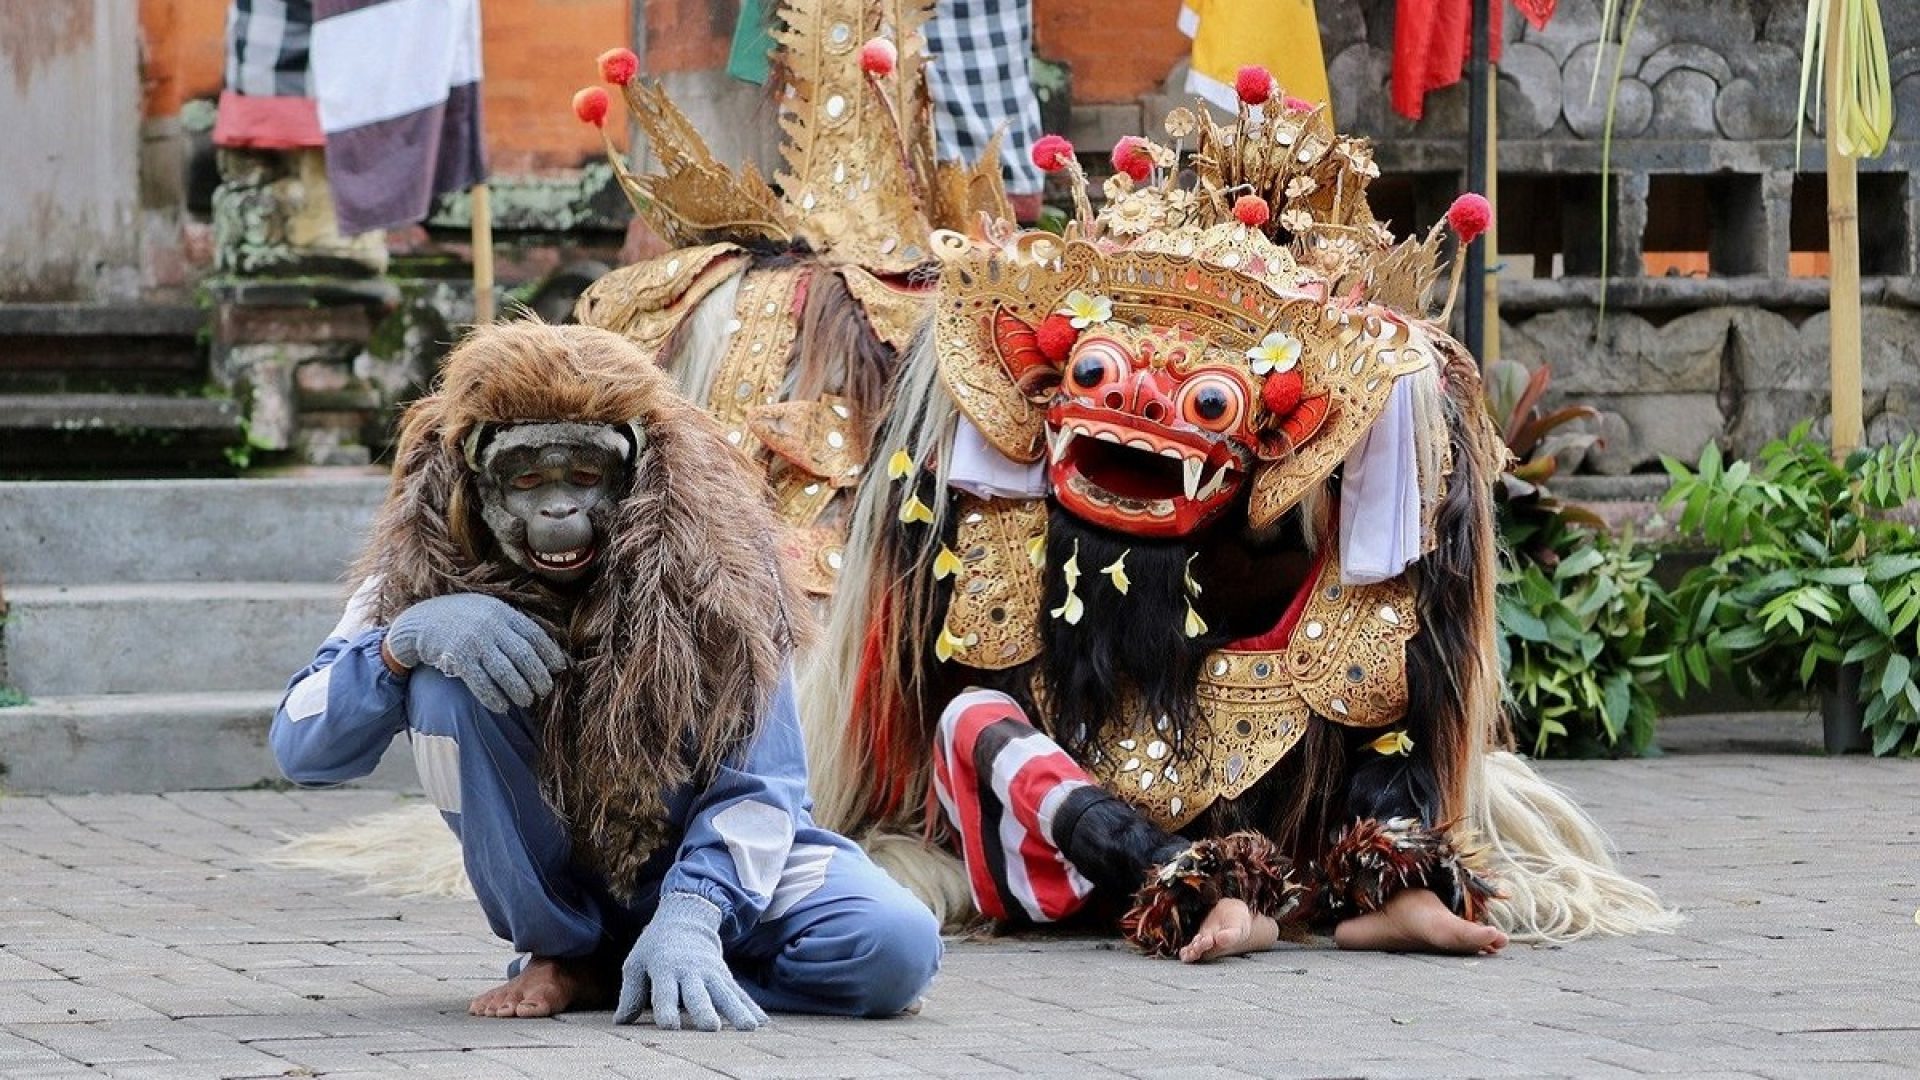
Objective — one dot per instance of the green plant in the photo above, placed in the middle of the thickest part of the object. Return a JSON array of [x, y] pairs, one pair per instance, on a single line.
[[1578, 610], [1580, 643], [1812, 574], [1533, 522]]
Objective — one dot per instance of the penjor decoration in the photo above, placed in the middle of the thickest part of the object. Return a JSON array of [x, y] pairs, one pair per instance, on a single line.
[[1178, 594]]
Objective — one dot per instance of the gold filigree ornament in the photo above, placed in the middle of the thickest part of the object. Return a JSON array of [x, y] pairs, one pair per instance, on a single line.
[[755, 364], [647, 300], [1345, 662], [820, 438], [993, 616]]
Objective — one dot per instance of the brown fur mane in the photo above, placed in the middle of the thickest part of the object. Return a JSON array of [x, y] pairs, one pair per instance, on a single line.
[[678, 644]]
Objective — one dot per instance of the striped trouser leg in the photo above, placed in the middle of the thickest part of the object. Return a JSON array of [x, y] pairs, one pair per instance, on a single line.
[[1002, 783]]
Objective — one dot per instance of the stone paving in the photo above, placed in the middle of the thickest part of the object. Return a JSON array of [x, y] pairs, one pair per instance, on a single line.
[[140, 937]]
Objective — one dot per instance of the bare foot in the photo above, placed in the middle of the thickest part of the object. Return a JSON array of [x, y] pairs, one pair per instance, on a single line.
[[1230, 929], [544, 988], [1415, 920]]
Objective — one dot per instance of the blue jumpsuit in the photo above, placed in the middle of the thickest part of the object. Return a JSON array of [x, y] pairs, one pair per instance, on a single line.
[[808, 923]]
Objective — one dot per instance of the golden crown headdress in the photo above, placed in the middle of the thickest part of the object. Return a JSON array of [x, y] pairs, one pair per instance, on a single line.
[[858, 184], [1191, 241]]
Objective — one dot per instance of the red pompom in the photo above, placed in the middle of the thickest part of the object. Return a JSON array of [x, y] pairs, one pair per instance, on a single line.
[[1254, 84], [1252, 210], [1130, 156], [590, 105], [1056, 337], [1052, 153], [878, 56], [1470, 215], [618, 66], [1297, 104], [1282, 391]]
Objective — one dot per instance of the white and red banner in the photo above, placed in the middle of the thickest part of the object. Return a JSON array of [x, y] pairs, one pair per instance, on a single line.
[[398, 88]]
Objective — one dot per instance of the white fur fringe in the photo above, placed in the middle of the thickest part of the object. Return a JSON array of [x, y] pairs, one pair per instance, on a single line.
[[1553, 862], [407, 852]]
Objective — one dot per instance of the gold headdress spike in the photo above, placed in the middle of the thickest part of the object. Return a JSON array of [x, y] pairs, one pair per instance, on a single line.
[[858, 184]]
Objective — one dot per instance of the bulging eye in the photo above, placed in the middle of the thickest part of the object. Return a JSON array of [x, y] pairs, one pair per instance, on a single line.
[[584, 478], [1091, 370], [1097, 362], [1213, 402], [527, 481]]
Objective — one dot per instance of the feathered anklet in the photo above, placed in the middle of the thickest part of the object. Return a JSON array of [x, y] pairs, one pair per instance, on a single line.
[[1245, 866], [1371, 860]]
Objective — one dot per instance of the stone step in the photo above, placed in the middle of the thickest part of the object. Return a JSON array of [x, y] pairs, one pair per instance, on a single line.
[[80, 348], [138, 743], [55, 435], [297, 528], [164, 638]]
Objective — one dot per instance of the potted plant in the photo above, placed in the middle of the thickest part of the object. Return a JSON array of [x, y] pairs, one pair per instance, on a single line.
[[1816, 587]]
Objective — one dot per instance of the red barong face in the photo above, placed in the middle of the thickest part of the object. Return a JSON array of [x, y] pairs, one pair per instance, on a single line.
[[1150, 433]]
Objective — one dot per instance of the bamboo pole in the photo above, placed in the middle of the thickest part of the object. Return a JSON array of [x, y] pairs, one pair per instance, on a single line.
[[482, 255], [1843, 250]]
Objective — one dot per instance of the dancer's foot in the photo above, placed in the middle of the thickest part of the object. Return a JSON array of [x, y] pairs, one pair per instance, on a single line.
[[1230, 929], [1415, 920], [545, 988]]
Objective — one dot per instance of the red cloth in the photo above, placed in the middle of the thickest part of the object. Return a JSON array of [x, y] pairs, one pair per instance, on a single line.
[[1432, 41], [267, 123]]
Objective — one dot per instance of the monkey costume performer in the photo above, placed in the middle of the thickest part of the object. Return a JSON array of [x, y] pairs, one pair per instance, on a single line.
[[1173, 604], [571, 604]]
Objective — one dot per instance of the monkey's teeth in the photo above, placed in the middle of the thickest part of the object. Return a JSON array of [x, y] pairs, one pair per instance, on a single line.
[[1190, 470]]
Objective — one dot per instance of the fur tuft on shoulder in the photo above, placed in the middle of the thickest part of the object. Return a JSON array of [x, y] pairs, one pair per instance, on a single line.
[[681, 640]]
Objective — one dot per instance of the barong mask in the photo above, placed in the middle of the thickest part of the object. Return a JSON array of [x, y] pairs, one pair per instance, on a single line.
[[1192, 344]]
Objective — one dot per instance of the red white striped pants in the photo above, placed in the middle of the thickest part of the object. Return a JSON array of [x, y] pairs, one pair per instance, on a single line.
[[1001, 782]]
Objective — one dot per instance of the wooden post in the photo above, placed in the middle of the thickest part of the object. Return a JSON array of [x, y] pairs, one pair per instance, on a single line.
[[1843, 249], [1490, 347], [1475, 299], [482, 255]]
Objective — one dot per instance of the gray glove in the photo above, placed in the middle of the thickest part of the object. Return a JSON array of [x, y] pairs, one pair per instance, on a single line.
[[502, 656], [679, 956]]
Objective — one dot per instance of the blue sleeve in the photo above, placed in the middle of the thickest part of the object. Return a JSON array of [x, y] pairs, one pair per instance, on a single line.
[[741, 828], [341, 711]]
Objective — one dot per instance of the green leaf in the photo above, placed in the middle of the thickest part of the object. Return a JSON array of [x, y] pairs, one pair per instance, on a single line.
[[1888, 567], [1616, 703], [1524, 625], [1697, 665], [1580, 562], [1895, 676], [1867, 603], [1809, 661]]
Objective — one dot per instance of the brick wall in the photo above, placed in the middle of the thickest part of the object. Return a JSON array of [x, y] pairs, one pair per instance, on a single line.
[[1118, 49], [537, 53]]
